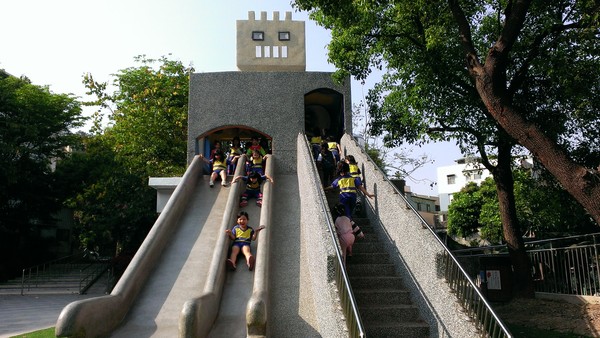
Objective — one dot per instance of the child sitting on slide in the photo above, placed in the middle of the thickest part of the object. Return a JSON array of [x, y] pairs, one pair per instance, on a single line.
[[242, 236], [253, 182]]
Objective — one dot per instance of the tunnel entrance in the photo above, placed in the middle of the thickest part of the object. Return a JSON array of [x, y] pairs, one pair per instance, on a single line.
[[324, 113]]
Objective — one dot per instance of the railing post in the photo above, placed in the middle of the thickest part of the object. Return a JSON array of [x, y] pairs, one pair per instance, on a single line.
[[22, 282]]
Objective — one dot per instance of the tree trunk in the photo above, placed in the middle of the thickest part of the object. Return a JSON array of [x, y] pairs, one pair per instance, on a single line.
[[581, 183], [510, 225]]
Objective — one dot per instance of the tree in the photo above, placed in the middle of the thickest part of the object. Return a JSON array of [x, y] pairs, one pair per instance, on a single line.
[[401, 160], [146, 136], [147, 114], [530, 65], [34, 131], [429, 92], [543, 209], [463, 213]]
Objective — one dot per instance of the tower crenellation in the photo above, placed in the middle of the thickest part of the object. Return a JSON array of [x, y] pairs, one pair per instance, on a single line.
[[271, 45]]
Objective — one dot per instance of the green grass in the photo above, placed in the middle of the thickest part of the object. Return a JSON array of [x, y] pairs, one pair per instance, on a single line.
[[520, 331], [45, 333]]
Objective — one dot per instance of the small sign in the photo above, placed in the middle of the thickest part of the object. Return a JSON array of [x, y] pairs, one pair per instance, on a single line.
[[493, 279]]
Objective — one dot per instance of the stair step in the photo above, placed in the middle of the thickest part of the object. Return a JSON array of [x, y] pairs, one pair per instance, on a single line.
[[371, 269], [368, 258], [382, 297], [367, 247], [398, 329], [362, 221], [370, 237], [388, 313], [382, 282]]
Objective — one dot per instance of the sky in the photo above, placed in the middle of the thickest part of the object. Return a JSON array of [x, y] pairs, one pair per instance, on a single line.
[[55, 42]]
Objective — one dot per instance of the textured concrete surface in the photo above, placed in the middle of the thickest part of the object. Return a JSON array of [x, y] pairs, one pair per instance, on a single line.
[[269, 102], [182, 268]]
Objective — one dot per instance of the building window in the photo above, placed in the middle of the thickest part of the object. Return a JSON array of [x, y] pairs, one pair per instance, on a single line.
[[451, 179], [477, 176], [284, 36], [428, 207], [418, 206], [258, 51], [258, 36], [284, 52]]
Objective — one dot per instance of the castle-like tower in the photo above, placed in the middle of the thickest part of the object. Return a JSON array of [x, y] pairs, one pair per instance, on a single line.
[[271, 45], [272, 96]]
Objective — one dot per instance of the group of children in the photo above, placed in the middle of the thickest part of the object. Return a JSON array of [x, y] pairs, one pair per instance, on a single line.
[[347, 180], [223, 162]]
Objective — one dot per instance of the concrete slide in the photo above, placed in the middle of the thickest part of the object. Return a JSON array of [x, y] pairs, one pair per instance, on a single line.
[[181, 271], [149, 298]]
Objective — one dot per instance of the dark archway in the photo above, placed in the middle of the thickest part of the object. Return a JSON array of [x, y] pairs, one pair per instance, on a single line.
[[324, 113], [205, 142], [226, 134]]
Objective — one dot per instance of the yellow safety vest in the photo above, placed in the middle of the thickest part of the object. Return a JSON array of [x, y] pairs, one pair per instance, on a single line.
[[354, 171], [347, 185], [219, 165]]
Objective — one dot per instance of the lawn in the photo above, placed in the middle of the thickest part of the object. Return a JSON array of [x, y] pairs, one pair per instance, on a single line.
[[45, 333]]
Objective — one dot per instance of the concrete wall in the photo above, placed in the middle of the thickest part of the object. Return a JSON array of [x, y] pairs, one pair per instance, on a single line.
[[270, 102]]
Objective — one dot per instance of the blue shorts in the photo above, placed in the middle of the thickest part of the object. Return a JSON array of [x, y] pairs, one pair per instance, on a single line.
[[217, 171], [241, 244]]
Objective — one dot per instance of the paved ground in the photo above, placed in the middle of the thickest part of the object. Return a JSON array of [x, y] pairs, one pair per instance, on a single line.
[[22, 314]]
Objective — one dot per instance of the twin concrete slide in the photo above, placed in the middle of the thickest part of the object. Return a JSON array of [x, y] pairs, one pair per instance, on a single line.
[[177, 283]]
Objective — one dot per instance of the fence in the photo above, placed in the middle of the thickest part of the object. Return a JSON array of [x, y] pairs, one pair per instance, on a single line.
[[567, 265]]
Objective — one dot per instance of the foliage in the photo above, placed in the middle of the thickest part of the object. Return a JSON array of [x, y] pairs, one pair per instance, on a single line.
[[148, 114], [34, 131], [463, 212], [543, 209], [44, 333], [399, 159], [483, 73], [147, 136], [113, 207]]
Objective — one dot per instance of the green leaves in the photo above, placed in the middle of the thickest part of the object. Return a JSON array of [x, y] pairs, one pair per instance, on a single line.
[[35, 129], [147, 136], [543, 208]]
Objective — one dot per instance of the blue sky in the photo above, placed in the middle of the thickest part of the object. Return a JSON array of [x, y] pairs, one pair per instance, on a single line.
[[55, 42]]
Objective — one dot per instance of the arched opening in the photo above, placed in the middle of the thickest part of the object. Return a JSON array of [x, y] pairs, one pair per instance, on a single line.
[[324, 113], [205, 143]]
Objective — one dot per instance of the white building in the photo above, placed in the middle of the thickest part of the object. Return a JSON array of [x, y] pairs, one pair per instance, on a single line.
[[452, 178]]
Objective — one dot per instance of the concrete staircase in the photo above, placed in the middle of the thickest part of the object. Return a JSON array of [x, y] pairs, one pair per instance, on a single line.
[[59, 279], [384, 304]]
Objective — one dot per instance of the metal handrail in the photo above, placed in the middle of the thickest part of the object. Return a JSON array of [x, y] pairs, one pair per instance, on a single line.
[[468, 294], [349, 306], [33, 274], [87, 280]]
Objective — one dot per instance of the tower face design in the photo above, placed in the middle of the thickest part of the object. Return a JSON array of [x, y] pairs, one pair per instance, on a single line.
[[271, 45]]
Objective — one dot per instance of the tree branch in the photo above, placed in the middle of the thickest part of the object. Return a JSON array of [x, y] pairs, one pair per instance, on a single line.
[[534, 51]]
